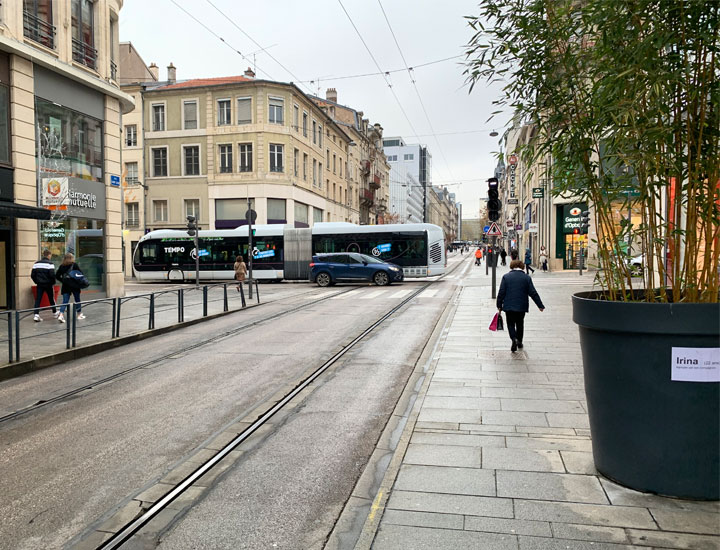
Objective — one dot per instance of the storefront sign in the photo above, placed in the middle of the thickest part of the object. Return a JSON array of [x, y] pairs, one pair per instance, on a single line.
[[512, 201], [533, 227], [538, 193], [55, 193], [86, 199], [571, 216], [509, 223], [518, 227]]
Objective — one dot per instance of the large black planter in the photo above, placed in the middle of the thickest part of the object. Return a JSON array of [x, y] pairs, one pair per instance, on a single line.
[[650, 433]]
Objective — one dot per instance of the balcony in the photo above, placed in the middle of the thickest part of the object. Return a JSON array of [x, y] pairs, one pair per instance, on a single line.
[[113, 70], [132, 180], [132, 222], [367, 197], [375, 182], [38, 30], [365, 166], [84, 53]]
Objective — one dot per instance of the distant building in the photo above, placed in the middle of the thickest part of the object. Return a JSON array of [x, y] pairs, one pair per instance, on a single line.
[[414, 161]]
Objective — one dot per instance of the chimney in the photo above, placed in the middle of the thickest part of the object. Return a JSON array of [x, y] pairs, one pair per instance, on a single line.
[[250, 73], [331, 95], [154, 71], [171, 73]]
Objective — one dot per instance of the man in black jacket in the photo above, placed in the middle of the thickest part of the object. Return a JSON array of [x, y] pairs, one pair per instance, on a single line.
[[512, 298], [43, 275]]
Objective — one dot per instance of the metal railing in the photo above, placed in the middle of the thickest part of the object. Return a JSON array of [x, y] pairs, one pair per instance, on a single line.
[[115, 316], [113, 70], [38, 30], [84, 53]]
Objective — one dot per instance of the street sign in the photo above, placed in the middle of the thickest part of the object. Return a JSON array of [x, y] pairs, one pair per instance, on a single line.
[[494, 230], [512, 201], [509, 223], [486, 229], [251, 216], [518, 227], [538, 193], [533, 227], [512, 159], [114, 181]]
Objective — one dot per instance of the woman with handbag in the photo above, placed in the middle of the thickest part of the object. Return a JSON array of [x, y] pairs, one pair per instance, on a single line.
[[515, 289], [240, 271], [67, 274]]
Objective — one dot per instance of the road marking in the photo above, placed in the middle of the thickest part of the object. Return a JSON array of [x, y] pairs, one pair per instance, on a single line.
[[400, 293], [372, 295], [428, 293], [340, 295]]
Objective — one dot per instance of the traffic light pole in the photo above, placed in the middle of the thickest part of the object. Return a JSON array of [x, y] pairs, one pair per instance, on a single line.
[[494, 266], [197, 258], [250, 248]]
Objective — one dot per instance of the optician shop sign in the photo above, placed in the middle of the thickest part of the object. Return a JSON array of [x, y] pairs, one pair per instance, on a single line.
[[571, 217], [78, 197]]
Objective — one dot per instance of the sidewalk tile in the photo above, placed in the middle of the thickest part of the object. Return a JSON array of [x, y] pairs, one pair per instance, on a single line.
[[398, 537], [451, 504], [579, 462], [446, 390], [517, 393], [557, 443], [436, 479], [423, 519], [469, 416], [664, 539], [627, 497], [536, 543], [541, 405], [589, 532], [590, 514], [548, 486], [522, 459], [560, 420], [442, 455], [465, 440], [547, 431], [514, 418], [479, 403], [510, 526], [686, 521]]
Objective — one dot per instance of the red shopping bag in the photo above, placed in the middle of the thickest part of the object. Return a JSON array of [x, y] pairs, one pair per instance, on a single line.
[[494, 322]]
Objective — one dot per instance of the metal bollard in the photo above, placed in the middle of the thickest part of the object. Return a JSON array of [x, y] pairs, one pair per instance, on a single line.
[[257, 291], [17, 336], [10, 338], [205, 300], [68, 329], [250, 282], [242, 295], [225, 297], [73, 316], [115, 315], [151, 315], [180, 305]]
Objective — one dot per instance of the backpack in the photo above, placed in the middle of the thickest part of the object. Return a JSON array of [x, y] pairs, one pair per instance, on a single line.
[[76, 279]]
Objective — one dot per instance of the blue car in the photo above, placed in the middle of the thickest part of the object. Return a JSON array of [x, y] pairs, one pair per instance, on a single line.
[[328, 269]]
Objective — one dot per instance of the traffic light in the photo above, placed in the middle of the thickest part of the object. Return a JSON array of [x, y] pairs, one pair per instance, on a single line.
[[493, 200], [585, 222], [191, 226]]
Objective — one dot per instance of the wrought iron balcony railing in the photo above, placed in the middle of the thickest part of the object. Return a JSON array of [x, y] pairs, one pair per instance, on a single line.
[[84, 53], [38, 30]]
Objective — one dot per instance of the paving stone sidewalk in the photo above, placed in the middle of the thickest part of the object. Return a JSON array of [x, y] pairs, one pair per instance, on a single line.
[[500, 455]]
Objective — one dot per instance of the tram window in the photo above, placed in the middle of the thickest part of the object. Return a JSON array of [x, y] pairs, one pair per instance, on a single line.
[[148, 253]]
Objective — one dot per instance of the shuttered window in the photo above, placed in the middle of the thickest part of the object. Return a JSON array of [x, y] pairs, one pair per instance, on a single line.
[[244, 110]]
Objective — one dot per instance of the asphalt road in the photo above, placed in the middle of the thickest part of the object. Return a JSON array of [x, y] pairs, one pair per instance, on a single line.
[[69, 466]]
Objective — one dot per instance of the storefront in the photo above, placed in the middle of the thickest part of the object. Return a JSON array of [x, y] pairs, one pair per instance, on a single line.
[[69, 132], [570, 243]]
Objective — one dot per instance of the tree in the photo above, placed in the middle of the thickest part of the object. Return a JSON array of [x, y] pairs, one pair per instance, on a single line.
[[626, 97]]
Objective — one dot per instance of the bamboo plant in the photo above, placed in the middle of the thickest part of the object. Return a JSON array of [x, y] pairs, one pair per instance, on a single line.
[[626, 98]]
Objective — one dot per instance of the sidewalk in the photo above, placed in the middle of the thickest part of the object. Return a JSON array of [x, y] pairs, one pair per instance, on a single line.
[[497, 451]]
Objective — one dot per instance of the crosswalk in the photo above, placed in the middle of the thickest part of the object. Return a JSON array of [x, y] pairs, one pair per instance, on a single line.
[[383, 294]]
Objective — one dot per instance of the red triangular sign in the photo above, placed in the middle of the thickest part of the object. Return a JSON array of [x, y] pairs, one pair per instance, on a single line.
[[494, 230]]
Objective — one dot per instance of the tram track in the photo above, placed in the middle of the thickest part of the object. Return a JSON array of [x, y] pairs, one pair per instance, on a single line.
[[131, 528]]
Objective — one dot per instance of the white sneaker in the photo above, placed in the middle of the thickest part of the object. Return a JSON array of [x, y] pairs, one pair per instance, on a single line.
[[81, 316], [61, 317], [56, 314], [37, 318]]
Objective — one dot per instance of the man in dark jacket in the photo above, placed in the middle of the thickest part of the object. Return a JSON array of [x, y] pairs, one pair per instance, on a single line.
[[43, 275], [512, 298]]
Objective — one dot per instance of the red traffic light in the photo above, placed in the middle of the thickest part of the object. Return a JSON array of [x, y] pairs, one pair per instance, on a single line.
[[576, 231]]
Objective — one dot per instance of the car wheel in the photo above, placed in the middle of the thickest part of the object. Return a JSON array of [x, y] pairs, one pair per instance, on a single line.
[[323, 279], [636, 270], [381, 278]]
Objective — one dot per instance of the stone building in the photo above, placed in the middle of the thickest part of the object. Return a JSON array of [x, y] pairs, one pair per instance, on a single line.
[[60, 108]]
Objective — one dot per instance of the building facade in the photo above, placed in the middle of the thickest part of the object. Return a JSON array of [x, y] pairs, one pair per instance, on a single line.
[[60, 108], [411, 176]]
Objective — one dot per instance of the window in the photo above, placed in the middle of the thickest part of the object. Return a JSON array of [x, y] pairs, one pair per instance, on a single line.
[[226, 162], [192, 208], [83, 33], [314, 173], [320, 136], [190, 112], [245, 154], [301, 212], [314, 131], [296, 118], [223, 112], [160, 211], [277, 105], [305, 159], [132, 214], [131, 173], [317, 215], [276, 157], [158, 120], [296, 158], [244, 110], [320, 175], [327, 157], [334, 192], [392, 158], [334, 162], [276, 211], [38, 22], [160, 162], [5, 124], [341, 167], [131, 135], [305, 124], [191, 154], [408, 157]]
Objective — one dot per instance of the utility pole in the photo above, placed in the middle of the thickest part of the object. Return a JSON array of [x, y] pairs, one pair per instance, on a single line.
[[493, 216], [192, 230], [249, 216]]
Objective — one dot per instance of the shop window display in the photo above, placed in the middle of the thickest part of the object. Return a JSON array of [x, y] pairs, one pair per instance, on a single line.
[[81, 237]]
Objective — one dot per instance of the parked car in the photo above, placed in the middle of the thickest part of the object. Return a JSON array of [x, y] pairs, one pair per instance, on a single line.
[[328, 269], [636, 264]]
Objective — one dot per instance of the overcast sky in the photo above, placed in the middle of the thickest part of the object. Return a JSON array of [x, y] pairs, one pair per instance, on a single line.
[[314, 40]]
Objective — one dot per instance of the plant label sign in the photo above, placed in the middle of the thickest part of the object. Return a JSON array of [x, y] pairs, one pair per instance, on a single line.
[[696, 364]]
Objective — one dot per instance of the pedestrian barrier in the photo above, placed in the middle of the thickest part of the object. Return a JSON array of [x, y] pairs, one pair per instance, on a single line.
[[131, 314]]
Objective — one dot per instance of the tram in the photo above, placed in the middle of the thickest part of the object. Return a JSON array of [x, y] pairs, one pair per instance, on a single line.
[[284, 252]]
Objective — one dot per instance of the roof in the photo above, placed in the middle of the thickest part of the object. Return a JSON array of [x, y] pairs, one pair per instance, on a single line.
[[200, 82]]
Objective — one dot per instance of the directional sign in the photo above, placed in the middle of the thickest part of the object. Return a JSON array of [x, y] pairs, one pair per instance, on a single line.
[[486, 229], [494, 230], [114, 181]]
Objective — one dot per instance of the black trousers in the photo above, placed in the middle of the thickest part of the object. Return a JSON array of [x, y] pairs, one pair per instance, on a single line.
[[515, 324], [44, 289]]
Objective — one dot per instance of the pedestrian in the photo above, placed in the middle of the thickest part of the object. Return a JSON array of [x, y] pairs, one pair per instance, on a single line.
[[43, 275], [478, 256], [514, 254], [528, 261], [240, 271], [503, 255], [543, 259], [512, 298], [69, 286]]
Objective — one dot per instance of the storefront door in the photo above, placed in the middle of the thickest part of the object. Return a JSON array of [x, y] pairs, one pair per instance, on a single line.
[[573, 243]]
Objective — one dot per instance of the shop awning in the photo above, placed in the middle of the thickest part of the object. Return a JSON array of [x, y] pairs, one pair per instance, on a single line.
[[14, 210]]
